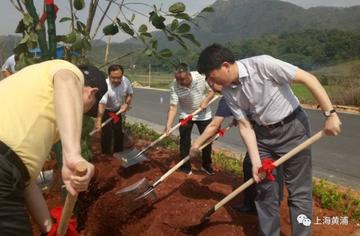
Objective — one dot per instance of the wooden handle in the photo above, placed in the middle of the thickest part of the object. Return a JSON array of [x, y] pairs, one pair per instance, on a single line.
[[80, 170], [170, 131], [103, 124], [180, 163], [278, 162]]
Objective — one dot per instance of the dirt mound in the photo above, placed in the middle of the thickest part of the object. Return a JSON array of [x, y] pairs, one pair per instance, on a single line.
[[181, 202]]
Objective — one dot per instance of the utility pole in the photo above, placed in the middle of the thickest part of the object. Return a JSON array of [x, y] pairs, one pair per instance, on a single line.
[[149, 77]]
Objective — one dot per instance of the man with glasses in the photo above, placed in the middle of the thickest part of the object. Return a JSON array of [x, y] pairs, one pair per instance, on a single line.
[[117, 98]]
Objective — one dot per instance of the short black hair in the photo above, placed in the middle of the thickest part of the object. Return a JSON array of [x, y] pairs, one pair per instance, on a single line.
[[212, 57], [115, 67], [94, 78], [182, 67]]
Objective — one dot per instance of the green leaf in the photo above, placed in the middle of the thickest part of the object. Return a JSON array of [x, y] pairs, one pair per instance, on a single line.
[[154, 44], [132, 17], [80, 27], [27, 19], [24, 39], [183, 16], [33, 37], [70, 38], [148, 52], [174, 24], [177, 7], [207, 9], [146, 35], [20, 28], [79, 4], [126, 28], [165, 53], [65, 19], [157, 20], [143, 28], [110, 29], [60, 38], [183, 28], [191, 37]]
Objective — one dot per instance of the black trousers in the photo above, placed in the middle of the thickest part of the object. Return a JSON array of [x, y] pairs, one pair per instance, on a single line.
[[14, 219], [185, 141], [111, 136]]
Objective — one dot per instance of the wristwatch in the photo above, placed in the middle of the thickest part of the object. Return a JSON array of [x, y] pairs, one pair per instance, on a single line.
[[328, 113]]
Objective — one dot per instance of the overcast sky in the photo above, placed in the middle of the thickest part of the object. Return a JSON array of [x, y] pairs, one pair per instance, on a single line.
[[9, 17]]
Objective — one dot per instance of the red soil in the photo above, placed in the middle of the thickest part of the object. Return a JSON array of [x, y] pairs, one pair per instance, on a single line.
[[181, 202]]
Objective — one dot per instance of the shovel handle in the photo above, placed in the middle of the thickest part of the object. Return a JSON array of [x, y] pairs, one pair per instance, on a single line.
[[278, 162], [180, 163], [171, 130], [80, 170], [103, 124]]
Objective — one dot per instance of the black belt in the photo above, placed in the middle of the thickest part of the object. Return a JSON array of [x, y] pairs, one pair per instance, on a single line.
[[12, 157], [286, 120]]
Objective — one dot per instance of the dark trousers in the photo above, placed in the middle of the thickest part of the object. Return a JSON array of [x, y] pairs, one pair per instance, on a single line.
[[111, 136], [14, 219], [185, 142]]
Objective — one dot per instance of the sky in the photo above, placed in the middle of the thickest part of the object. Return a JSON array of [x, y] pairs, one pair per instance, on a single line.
[[9, 16]]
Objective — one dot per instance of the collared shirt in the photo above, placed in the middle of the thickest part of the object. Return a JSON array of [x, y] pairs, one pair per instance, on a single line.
[[28, 123], [223, 109], [263, 93], [9, 64], [190, 98], [115, 96]]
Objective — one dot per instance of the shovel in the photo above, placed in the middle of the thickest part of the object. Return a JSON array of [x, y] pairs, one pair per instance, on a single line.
[[148, 189], [104, 123], [132, 157], [70, 203], [245, 185]]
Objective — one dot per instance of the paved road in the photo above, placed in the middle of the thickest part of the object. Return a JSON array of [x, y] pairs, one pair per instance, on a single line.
[[334, 158]]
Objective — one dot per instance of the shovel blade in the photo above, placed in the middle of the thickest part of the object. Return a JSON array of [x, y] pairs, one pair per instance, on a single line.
[[137, 189], [130, 157]]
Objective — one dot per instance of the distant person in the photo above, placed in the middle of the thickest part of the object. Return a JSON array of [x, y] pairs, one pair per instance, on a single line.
[[190, 91], [117, 98], [271, 123], [223, 111], [8, 68], [40, 105]]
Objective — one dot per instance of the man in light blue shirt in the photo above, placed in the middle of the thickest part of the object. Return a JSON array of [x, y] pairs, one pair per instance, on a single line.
[[271, 123]]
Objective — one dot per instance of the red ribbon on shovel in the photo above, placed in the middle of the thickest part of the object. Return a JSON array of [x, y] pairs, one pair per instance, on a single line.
[[186, 120], [221, 132], [267, 167], [56, 214], [115, 118]]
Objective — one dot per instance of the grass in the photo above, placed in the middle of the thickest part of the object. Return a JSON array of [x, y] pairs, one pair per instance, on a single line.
[[157, 80]]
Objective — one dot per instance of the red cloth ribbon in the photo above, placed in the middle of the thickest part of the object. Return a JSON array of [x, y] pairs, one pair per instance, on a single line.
[[221, 132], [185, 121], [45, 15], [267, 167], [115, 118], [56, 214]]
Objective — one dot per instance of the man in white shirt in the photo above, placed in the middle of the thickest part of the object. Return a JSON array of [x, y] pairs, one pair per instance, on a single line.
[[118, 97], [8, 68], [191, 92]]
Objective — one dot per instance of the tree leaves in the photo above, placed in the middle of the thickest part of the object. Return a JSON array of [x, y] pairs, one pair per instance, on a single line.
[[143, 28], [178, 7], [65, 19], [111, 29], [125, 27], [157, 20], [165, 52], [79, 4], [183, 28]]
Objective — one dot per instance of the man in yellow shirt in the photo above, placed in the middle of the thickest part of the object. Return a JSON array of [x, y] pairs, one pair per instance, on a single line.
[[41, 104]]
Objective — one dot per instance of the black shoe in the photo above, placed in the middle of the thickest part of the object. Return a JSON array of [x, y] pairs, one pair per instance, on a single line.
[[208, 170], [244, 208], [186, 170]]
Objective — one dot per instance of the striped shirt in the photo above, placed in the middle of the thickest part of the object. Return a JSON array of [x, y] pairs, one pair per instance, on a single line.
[[115, 96], [264, 92], [189, 99]]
